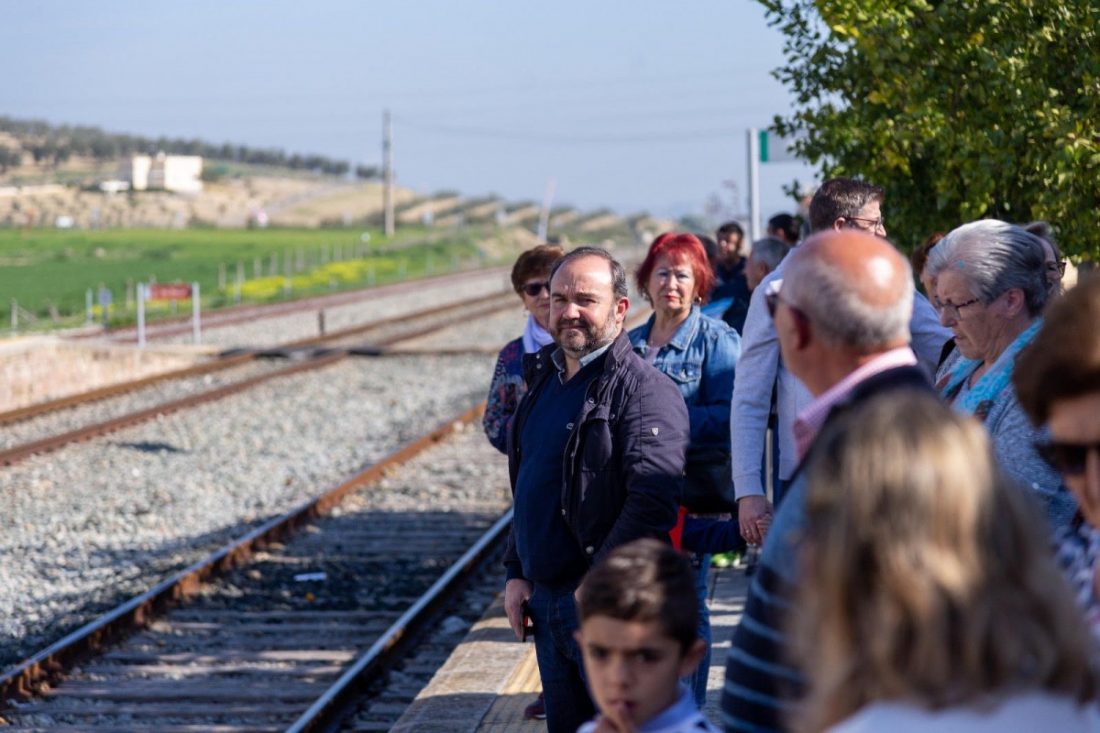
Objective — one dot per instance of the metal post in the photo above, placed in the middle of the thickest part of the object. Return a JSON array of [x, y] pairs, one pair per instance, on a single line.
[[14, 315], [544, 215], [90, 315], [141, 315], [754, 184], [240, 282], [196, 307], [321, 322], [387, 172]]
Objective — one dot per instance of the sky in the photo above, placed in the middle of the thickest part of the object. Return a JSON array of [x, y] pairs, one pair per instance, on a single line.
[[632, 106]]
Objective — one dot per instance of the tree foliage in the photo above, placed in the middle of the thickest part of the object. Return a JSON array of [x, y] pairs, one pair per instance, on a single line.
[[960, 109]]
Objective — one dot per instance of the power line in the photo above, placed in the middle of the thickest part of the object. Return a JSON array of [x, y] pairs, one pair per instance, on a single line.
[[609, 139]]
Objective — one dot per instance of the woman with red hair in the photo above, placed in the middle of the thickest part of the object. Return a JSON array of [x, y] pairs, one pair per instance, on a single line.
[[699, 354]]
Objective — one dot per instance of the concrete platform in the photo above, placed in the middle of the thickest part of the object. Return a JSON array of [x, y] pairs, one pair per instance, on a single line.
[[489, 679]]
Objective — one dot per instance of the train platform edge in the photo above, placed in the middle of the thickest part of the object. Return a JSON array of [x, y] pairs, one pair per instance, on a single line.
[[490, 677]]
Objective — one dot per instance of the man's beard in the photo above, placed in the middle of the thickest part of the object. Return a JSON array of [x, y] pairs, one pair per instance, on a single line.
[[587, 338]]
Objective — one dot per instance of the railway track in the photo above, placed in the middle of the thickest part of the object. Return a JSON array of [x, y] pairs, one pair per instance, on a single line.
[[295, 632], [371, 339], [238, 314]]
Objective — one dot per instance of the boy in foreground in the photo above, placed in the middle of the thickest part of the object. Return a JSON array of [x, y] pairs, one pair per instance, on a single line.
[[638, 635]]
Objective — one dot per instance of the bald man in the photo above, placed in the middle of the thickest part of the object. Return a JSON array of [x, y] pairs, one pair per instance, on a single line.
[[842, 320], [840, 204]]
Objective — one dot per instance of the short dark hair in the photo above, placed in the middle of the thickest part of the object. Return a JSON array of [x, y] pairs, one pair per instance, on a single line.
[[787, 225], [1063, 362], [645, 580], [709, 246], [839, 197], [618, 272], [730, 227], [918, 258], [1045, 232], [533, 262]]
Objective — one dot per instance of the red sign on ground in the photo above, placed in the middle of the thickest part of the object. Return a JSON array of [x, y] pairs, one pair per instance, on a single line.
[[169, 291]]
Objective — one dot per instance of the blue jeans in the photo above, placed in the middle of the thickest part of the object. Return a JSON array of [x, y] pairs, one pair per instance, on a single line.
[[568, 704], [698, 679]]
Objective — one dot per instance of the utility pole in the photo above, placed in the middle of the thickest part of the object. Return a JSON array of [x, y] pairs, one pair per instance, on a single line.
[[544, 215], [387, 171], [754, 184]]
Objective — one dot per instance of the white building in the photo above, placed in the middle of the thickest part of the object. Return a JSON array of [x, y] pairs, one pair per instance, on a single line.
[[179, 173]]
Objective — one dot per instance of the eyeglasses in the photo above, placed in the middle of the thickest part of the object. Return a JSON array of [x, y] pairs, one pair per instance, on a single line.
[[872, 224], [1066, 458], [533, 289], [772, 300], [1059, 265], [953, 310]]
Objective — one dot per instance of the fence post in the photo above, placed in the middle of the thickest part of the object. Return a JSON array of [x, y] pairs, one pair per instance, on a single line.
[[240, 282], [196, 307], [14, 316], [89, 313], [141, 315]]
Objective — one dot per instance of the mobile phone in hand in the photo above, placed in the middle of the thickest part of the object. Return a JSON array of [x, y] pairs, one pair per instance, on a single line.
[[528, 623]]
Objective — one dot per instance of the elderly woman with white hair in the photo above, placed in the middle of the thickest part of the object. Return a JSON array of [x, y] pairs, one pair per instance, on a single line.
[[990, 289]]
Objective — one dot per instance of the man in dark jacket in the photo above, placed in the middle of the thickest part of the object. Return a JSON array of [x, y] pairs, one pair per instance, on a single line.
[[842, 320], [595, 456]]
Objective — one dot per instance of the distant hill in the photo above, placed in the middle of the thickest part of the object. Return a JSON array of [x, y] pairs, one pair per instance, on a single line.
[[49, 176], [37, 143]]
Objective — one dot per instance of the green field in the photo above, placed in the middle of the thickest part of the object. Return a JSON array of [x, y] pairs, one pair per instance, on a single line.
[[48, 272]]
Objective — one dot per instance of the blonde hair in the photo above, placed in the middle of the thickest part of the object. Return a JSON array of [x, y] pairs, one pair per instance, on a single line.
[[929, 579]]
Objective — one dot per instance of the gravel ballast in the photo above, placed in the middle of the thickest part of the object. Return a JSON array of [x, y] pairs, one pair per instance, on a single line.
[[95, 523]]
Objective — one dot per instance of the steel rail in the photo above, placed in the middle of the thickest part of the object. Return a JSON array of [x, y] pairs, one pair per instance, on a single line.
[[221, 364], [21, 681], [317, 360], [339, 699], [53, 442], [102, 393], [497, 300], [243, 313]]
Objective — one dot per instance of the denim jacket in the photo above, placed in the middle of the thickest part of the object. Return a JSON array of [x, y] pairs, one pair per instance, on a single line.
[[700, 359]]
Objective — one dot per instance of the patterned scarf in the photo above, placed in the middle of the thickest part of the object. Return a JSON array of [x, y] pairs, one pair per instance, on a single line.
[[980, 399]]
